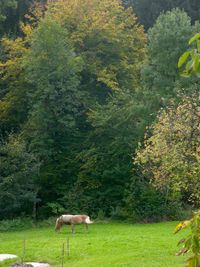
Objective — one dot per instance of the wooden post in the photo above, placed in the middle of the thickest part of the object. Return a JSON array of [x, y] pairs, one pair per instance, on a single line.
[[63, 252], [23, 250], [67, 247]]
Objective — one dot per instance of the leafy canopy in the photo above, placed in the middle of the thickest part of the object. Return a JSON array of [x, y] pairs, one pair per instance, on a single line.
[[167, 41], [171, 156]]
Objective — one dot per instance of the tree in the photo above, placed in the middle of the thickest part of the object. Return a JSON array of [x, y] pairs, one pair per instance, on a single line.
[[54, 77], [56, 103], [170, 156], [192, 242], [107, 160], [161, 82], [103, 34], [148, 11], [161, 73], [112, 46], [14, 12], [4, 5], [41, 100], [18, 175], [74, 89], [13, 87]]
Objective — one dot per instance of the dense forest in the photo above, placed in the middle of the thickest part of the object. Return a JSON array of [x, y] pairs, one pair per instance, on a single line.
[[94, 114]]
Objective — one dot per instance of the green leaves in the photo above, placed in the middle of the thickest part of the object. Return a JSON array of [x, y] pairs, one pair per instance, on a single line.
[[168, 156], [183, 58], [161, 73], [156, 7], [191, 58], [192, 242], [18, 173], [194, 38], [54, 73]]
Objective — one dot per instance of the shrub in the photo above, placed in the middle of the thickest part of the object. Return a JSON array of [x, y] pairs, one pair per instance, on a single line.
[[16, 224]]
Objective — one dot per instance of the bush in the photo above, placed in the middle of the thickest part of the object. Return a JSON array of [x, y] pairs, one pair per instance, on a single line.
[[101, 215], [16, 224], [146, 204], [119, 213], [25, 223]]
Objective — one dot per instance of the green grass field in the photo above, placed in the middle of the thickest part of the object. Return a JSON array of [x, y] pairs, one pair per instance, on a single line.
[[106, 245]]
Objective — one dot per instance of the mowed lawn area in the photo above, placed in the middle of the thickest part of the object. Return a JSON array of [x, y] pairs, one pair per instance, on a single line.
[[106, 245]]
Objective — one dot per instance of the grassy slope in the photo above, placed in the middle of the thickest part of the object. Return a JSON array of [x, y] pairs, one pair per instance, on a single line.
[[106, 245]]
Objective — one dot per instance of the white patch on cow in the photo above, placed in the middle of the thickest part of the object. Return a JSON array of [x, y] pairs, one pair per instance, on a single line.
[[7, 256]]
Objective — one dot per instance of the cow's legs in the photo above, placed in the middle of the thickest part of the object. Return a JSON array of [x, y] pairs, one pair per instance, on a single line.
[[73, 229]]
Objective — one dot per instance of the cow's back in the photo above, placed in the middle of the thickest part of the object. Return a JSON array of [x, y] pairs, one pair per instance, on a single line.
[[77, 219]]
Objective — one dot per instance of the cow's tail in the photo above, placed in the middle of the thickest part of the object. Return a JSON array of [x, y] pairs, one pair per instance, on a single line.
[[88, 221]]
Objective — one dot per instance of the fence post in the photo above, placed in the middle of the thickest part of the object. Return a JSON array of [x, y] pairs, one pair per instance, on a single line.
[[67, 247], [23, 250], [62, 255]]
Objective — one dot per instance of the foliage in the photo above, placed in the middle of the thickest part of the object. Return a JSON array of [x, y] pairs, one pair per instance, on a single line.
[[146, 204], [16, 224], [53, 76], [18, 170], [161, 81], [4, 5], [62, 96], [191, 57], [15, 12], [108, 160], [13, 87], [148, 11], [192, 242], [104, 38], [71, 91], [109, 40], [170, 156], [55, 104], [167, 41]]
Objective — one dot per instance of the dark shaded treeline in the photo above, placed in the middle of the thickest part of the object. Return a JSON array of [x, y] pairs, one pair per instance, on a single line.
[[149, 10], [13, 12]]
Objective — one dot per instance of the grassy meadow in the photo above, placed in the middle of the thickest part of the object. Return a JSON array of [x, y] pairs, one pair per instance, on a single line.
[[106, 245]]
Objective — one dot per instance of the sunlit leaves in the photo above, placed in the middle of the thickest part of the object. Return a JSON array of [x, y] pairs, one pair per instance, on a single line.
[[192, 242], [183, 58], [194, 38], [171, 155], [189, 62], [108, 38]]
